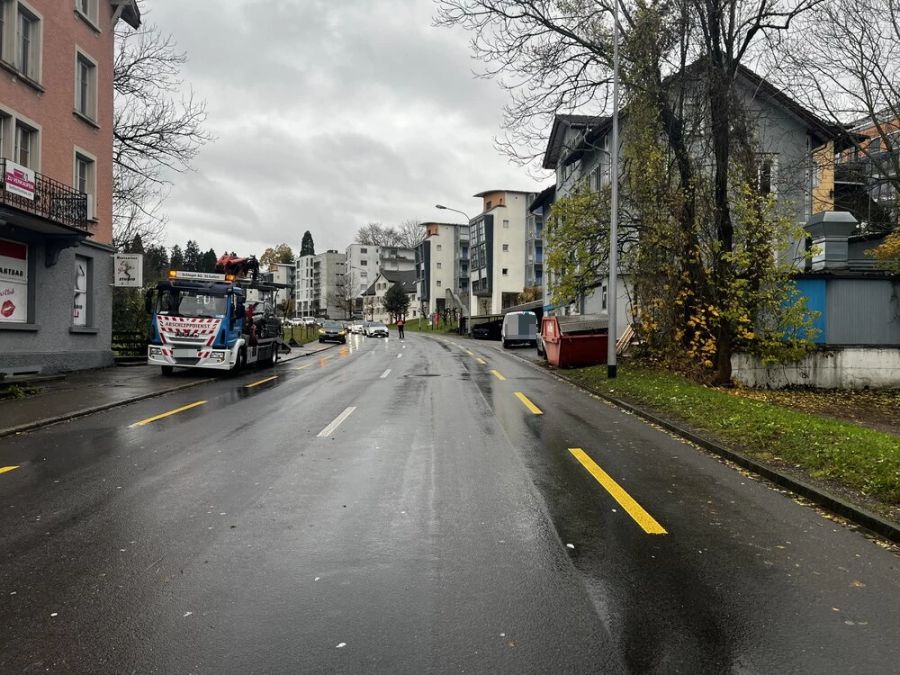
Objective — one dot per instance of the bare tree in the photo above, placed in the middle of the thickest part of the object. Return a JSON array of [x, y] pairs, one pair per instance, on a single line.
[[157, 128], [376, 234], [411, 233], [843, 61]]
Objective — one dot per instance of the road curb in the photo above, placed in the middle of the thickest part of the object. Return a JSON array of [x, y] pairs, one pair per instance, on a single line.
[[858, 515], [84, 412]]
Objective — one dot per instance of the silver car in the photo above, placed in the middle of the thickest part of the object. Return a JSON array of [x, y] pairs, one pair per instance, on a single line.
[[376, 330]]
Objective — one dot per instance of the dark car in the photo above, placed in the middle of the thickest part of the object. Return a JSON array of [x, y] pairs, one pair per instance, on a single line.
[[332, 331], [489, 330]]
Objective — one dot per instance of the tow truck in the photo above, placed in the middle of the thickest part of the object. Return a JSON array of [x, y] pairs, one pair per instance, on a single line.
[[204, 319]]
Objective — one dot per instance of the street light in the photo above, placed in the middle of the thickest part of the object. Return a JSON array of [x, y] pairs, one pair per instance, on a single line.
[[614, 209], [468, 221]]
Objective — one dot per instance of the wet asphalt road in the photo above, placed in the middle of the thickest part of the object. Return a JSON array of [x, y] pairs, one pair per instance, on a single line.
[[397, 508]]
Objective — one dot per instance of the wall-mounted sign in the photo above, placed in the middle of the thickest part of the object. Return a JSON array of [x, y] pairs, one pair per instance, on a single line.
[[128, 269], [13, 281], [19, 180]]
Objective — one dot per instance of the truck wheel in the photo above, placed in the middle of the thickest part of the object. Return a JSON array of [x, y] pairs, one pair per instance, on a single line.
[[239, 364], [505, 344], [167, 370]]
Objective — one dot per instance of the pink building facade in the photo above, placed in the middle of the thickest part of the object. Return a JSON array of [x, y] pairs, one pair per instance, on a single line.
[[56, 146]]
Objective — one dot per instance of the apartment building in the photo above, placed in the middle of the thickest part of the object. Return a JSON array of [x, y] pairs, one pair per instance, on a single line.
[[56, 144], [497, 257], [442, 268], [365, 261], [304, 287], [330, 299]]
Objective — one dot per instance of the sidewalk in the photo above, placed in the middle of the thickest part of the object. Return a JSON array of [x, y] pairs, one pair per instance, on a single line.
[[85, 392]]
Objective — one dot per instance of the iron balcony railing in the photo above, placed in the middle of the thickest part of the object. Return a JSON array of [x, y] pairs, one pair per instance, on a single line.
[[53, 201]]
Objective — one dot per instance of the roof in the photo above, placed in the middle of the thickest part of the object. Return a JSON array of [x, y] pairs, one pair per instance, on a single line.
[[558, 134], [490, 192], [131, 12], [545, 196], [406, 279]]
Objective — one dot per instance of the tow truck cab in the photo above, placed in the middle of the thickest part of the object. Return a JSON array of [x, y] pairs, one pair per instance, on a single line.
[[202, 320]]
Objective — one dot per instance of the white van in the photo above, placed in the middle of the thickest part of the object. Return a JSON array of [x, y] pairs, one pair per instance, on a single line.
[[519, 327]]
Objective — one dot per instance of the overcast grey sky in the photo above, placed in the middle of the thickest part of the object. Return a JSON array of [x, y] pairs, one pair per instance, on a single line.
[[329, 115]]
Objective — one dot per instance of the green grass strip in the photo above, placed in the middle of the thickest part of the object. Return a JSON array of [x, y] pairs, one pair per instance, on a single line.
[[858, 457]]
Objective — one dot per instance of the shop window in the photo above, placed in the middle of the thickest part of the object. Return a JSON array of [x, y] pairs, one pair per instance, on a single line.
[[81, 304], [13, 282]]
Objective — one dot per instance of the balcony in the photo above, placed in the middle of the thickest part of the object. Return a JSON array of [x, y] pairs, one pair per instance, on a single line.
[[53, 201]]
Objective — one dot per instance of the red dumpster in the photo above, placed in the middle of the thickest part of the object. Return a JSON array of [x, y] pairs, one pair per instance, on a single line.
[[575, 340]]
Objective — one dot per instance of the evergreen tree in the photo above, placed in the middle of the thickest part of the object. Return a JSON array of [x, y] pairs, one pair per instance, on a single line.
[[136, 245], [396, 302], [156, 263], [307, 247], [208, 261], [192, 256], [177, 259]]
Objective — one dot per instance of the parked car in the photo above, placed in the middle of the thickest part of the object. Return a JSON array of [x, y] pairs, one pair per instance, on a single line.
[[374, 329], [332, 331], [489, 330], [356, 327], [519, 327]]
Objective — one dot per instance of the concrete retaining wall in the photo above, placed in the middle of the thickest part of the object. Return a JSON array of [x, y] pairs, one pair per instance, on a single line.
[[834, 368]]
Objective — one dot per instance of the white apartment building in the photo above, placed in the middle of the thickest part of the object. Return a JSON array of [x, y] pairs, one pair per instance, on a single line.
[[497, 251], [304, 289], [329, 294], [442, 268], [364, 262]]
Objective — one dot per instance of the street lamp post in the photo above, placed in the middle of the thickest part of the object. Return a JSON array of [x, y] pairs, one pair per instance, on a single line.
[[614, 209]]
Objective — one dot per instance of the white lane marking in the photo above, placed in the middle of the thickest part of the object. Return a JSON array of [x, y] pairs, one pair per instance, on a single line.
[[327, 431], [399, 356], [404, 346], [385, 374]]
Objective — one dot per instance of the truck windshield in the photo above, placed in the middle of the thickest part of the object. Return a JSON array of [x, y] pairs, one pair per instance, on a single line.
[[191, 304]]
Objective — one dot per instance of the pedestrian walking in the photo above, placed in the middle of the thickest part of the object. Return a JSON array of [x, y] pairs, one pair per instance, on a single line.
[[400, 324]]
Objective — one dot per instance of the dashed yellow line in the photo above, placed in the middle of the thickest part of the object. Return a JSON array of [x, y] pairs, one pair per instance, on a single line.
[[263, 381], [302, 367], [528, 404], [498, 376], [168, 414], [470, 353], [481, 361], [6, 469], [625, 500]]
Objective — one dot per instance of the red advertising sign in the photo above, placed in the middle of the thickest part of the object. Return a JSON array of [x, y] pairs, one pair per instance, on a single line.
[[19, 180]]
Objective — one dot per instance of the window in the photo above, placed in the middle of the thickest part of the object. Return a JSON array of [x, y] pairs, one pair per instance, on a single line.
[[87, 9], [505, 248], [84, 180], [14, 281], [437, 283], [85, 86], [505, 224], [364, 263], [439, 265], [438, 247], [4, 132], [487, 205], [363, 250], [81, 303], [26, 146], [505, 271], [28, 44], [767, 174]]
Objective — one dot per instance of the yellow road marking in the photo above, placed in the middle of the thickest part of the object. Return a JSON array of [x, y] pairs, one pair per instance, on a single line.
[[625, 500], [498, 376], [302, 367], [256, 384], [5, 469], [167, 414], [481, 361], [528, 404], [468, 352]]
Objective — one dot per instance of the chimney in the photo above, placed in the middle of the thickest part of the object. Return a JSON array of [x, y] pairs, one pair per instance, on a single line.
[[830, 233]]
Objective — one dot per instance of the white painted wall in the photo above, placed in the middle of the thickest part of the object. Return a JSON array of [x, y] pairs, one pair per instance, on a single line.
[[840, 368]]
